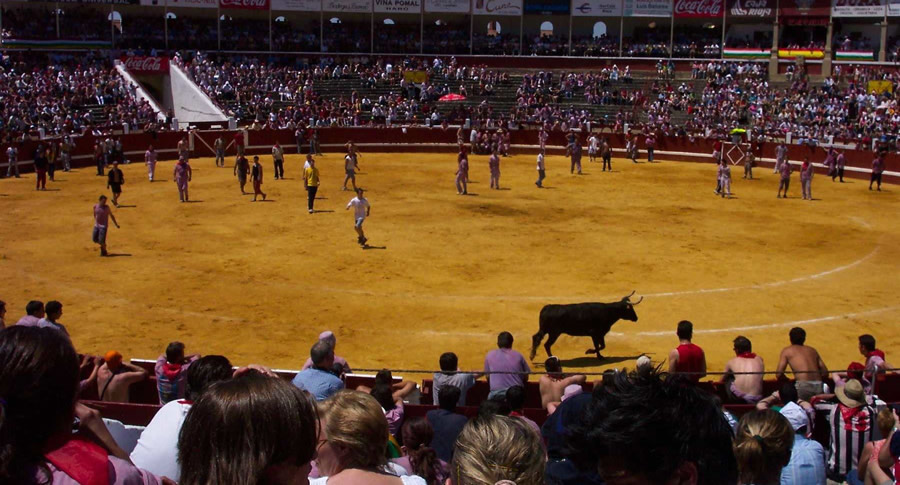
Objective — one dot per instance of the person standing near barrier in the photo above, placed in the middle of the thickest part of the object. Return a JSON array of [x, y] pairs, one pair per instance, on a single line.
[[219, 147], [780, 156], [40, 168], [298, 135], [543, 136], [278, 160], [806, 175], [182, 176], [574, 152], [241, 169], [98, 158], [462, 173], [183, 149], [150, 160], [494, 166], [785, 181], [593, 148], [65, 153], [540, 169], [650, 141], [749, 161], [51, 161], [256, 175], [311, 182], [314, 143], [12, 158], [606, 154], [831, 162], [114, 180], [102, 215], [877, 170], [725, 172], [239, 144], [841, 163]]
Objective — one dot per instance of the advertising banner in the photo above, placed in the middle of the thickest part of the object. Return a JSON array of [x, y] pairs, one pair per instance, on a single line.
[[497, 7], [146, 64], [398, 6], [795, 53], [893, 8], [648, 8], [699, 8], [297, 5], [751, 8], [450, 6], [357, 6], [857, 8], [596, 8], [805, 8], [244, 4], [116, 2], [880, 87], [182, 3], [555, 7]]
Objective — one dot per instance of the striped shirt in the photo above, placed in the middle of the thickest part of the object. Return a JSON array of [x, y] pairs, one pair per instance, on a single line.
[[851, 429]]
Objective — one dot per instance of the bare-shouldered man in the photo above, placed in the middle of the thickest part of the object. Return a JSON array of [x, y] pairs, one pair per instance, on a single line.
[[746, 388], [115, 377], [806, 364], [553, 384]]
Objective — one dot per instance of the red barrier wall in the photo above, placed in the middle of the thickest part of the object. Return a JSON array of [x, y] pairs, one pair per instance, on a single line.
[[423, 139]]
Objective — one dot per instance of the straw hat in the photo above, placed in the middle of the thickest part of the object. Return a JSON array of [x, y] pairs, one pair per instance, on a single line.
[[852, 394]]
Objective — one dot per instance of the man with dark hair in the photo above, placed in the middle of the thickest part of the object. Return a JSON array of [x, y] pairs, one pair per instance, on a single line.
[[318, 379], [157, 449], [34, 312], [53, 312], [508, 363], [446, 423], [114, 181], [330, 339], [515, 399], [687, 357], [807, 365], [743, 374], [450, 375], [644, 429], [553, 384], [102, 215], [875, 358], [171, 372]]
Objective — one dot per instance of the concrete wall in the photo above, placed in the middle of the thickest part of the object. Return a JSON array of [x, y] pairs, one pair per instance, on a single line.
[[188, 101], [141, 94]]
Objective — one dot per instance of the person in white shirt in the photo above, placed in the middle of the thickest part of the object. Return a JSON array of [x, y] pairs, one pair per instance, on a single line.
[[361, 210], [593, 147], [540, 169], [278, 159]]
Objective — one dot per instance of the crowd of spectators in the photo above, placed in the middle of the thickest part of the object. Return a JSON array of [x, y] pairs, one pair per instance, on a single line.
[[66, 94], [589, 46], [652, 424]]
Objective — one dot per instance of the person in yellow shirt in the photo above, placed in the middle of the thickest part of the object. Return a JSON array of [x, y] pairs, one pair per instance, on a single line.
[[311, 181]]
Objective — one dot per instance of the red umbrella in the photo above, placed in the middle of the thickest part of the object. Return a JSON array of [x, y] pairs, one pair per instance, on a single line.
[[452, 97]]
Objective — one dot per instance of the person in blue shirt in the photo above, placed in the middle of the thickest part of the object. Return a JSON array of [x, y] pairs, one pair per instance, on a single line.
[[318, 379], [807, 465]]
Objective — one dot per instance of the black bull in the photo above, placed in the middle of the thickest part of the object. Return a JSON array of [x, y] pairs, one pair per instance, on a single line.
[[582, 320]]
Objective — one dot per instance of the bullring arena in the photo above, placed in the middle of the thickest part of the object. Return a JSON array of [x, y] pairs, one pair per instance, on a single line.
[[259, 281]]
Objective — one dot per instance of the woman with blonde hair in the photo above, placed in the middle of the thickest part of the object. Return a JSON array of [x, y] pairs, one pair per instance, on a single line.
[[353, 437], [498, 449], [762, 447]]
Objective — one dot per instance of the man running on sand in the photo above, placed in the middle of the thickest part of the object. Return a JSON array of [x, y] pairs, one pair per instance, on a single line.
[[361, 210], [102, 215]]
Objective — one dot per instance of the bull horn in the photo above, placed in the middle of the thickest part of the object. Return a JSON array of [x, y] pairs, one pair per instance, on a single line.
[[629, 296], [640, 300]]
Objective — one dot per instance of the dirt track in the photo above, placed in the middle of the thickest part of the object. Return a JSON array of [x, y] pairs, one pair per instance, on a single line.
[[258, 281]]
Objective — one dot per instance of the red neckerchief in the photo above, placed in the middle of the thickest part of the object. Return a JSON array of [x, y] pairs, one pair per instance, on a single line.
[[747, 355], [516, 414], [171, 371], [875, 353], [83, 460], [856, 419]]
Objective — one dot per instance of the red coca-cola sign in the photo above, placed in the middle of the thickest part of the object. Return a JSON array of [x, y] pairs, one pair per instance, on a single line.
[[699, 8], [146, 64], [245, 4]]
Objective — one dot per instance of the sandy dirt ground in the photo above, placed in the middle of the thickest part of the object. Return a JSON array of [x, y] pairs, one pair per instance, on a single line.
[[258, 281]]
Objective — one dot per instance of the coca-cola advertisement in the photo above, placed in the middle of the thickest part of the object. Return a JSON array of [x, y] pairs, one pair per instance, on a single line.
[[146, 64], [245, 4], [699, 8], [751, 8]]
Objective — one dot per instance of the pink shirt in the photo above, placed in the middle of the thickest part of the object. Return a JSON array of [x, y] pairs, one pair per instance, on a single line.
[[150, 157], [786, 170], [101, 215], [877, 166]]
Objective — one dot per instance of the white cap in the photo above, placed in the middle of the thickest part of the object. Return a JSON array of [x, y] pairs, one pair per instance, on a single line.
[[795, 415]]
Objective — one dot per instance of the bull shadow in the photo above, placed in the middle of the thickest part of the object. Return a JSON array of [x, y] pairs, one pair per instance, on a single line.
[[582, 362]]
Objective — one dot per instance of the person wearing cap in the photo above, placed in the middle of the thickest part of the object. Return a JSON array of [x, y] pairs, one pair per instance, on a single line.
[[807, 465], [554, 383], [115, 376], [805, 362], [851, 422], [328, 337]]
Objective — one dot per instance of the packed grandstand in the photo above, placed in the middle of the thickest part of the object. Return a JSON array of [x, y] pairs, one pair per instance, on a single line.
[[71, 89]]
